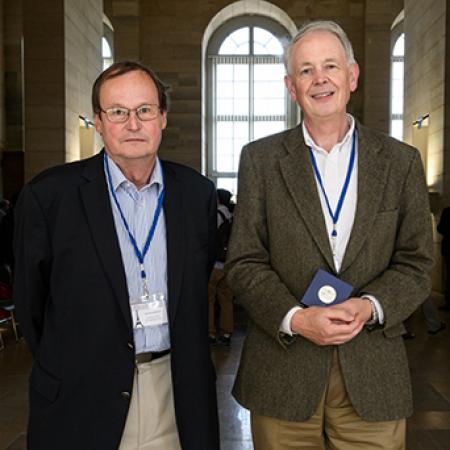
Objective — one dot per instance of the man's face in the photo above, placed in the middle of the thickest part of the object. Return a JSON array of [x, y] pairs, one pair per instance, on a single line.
[[320, 79], [133, 139]]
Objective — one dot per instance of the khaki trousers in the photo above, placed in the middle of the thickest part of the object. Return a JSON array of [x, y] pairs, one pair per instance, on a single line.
[[335, 426], [150, 422], [219, 290]]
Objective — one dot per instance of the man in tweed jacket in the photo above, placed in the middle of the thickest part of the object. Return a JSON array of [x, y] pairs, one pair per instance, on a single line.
[[335, 375]]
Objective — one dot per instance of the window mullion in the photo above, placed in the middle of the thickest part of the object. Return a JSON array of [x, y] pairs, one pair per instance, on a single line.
[[228, 124], [214, 114], [251, 99]]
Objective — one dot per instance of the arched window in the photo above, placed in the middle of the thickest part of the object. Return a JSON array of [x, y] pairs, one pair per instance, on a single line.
[[247, 98], [106, 54], [397, 87], [107, 43]]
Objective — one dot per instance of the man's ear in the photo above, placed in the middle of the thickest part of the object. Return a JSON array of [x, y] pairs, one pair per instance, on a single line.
[[290, 87], [354, 75], [163, 120], [98, 124]]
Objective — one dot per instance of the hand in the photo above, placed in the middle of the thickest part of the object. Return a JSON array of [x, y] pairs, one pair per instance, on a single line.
[[333, 325], [361, 308]]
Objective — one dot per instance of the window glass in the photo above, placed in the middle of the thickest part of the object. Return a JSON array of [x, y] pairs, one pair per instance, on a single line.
[[262, 129], [399, 47], [248, 98], [106, 54], [397, 87], [265, 43], [397, 129], [237, 43]]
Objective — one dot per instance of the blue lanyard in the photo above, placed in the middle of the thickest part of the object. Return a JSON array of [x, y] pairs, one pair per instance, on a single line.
[[140, 255], [335, 216]]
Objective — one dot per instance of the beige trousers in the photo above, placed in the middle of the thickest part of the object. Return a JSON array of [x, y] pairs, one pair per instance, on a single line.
[[218, 290], [150, 422], [335, 426]]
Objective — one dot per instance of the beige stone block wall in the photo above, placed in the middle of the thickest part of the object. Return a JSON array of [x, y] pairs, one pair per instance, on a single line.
[[62, 58], [126, 28], [424, 80], [2, 84], [13, 30], [379, 16], [11, 179], [43, 56], [425, 73], [83, 25]]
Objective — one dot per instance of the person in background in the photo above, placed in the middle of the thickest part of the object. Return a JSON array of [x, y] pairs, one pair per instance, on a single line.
[[113, 256], [6, 240], [333, 195], [432, 320], [218, 290]]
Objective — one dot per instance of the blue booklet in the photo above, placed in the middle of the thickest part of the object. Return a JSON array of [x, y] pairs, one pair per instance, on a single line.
[[325, 289]]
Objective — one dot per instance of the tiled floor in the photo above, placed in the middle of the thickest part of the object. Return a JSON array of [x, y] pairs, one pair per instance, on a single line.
[[428, 429]]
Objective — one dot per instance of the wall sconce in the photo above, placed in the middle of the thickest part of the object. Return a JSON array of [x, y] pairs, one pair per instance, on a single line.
[[86, 122], [422, 121]]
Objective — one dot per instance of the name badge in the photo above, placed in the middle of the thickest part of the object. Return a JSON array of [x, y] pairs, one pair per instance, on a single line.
[[149, 311]]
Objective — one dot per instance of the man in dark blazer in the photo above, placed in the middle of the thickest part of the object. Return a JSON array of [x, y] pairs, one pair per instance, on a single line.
[[335, 374], [118, 332]]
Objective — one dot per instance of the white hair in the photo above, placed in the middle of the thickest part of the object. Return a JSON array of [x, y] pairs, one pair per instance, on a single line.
[[320, 25]]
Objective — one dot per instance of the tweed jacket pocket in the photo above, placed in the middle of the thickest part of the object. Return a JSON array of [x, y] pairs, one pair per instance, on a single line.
[[395, 331]]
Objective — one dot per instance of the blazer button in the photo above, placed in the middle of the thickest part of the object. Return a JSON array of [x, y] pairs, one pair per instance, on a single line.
[[130, 346], [126, 395]]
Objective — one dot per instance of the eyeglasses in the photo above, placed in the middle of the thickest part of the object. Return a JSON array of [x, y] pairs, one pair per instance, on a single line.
[[121, 115]]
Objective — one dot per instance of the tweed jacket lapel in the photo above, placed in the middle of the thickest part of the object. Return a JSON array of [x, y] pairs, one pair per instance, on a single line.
[[372, 176], [95, 198], [297, 171]]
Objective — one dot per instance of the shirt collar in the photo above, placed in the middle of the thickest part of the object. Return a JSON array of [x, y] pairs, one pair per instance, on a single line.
[[310, 142], [118, 178]]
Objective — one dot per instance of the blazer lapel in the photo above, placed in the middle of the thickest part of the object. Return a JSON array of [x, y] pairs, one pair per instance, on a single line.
[[298, 174], [173, 211], [372, 175], [95, 198]]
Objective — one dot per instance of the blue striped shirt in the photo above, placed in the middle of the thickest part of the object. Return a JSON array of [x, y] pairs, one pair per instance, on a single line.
[[138, 207]]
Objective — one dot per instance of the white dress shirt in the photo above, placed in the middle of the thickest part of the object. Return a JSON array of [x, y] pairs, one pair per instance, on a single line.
[[138, 206], [333, 167]]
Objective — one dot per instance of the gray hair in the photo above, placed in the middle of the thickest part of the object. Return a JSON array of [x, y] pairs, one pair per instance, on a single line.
[[320, 25]]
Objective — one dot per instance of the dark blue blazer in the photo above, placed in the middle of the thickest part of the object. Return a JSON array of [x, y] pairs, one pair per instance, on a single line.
[[72, 302]]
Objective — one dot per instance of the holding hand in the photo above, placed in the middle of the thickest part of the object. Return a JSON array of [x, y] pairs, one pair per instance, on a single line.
[[332, 325]]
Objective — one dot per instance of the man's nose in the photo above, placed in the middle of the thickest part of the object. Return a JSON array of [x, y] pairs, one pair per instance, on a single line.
[[133, 122], [320, 77]]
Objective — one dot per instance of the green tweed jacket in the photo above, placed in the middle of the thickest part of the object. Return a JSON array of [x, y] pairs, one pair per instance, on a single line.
[[279, 240]]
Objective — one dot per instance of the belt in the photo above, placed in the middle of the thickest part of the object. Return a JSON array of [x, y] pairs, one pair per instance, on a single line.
[[150, 356]]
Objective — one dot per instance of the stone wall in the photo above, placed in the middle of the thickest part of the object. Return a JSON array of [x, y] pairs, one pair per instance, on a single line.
[[44, 90], [62, 57], [424, 82], [13, 30], [379, 16], [425, 46], [83, 29]]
